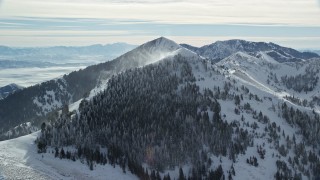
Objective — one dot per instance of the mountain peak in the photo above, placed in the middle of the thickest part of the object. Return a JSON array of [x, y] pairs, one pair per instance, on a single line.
[[163, 42], [149, 52], [162, 38]]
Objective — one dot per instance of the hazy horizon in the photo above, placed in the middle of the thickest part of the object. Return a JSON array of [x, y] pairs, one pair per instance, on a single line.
[[105, 44]]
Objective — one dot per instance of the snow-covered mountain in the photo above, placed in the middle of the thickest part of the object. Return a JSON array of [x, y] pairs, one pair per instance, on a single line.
[[32, 104], [164, 110], [249, 116], [222, 49], [5, 91]]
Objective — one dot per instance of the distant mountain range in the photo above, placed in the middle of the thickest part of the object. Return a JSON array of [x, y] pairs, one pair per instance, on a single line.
[[222, 49], [10, 64], [9, 89], [96, 49], [50, 56]]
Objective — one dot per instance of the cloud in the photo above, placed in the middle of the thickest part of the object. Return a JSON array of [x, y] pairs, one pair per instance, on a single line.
[[11, 24], [127, 1], [28, 31], [293, 12], [61, 33]]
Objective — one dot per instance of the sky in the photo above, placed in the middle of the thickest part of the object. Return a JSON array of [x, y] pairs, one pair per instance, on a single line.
[[293, 23]]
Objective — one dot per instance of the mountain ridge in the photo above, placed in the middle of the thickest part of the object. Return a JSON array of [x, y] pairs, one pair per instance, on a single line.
[[222, 49]]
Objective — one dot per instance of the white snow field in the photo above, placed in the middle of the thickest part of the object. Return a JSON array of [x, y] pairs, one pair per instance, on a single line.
[[19, 160]]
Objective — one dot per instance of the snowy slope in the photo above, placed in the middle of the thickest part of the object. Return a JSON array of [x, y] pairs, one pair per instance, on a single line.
[[243, 70], [262, 72], [19, 160]]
